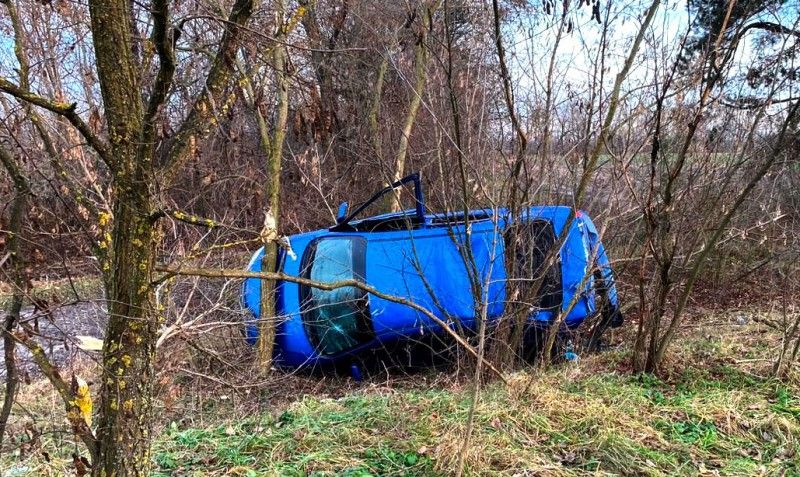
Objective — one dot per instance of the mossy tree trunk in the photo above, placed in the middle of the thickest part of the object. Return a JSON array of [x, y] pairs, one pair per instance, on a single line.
[[126, 390], [128, 355], [274, 148], [13, 247], [123, 432], [122, 440], [14, 243]]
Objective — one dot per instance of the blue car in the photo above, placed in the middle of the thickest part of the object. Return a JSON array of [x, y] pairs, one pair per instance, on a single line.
[[421, 257]]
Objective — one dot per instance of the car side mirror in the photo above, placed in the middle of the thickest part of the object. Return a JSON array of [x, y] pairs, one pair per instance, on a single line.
[[342, 213]]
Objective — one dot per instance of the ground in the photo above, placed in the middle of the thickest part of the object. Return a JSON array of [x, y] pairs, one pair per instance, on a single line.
[[58, 325], [713, 411]]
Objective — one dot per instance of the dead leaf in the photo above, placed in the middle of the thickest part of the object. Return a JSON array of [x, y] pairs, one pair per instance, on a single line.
[[496, 423]]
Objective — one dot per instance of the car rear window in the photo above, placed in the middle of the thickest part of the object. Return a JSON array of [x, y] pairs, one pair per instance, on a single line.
[[336, 320]]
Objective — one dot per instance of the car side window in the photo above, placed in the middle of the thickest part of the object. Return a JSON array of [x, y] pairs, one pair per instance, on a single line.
[[536, 239], [336, 320]]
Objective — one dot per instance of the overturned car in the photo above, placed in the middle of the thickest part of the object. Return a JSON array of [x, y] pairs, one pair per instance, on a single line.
[[419, 257]]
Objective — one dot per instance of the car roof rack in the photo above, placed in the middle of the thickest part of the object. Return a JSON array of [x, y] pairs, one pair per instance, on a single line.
[[343, 224]]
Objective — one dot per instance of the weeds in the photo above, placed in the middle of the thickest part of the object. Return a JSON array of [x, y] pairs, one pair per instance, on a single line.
[[710, 414], [58, 291]]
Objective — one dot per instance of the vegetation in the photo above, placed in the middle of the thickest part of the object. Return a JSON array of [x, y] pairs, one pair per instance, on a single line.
[[148, 147], [717, 410]]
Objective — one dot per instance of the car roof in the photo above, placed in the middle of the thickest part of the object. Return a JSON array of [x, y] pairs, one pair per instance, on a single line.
[[378, 223], [475, 214]]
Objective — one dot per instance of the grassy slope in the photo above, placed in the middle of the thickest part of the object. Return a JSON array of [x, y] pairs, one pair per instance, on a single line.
[[710, 414], [585, 419]]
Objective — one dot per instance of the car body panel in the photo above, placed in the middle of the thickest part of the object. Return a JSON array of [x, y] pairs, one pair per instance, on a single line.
[[424, 264]]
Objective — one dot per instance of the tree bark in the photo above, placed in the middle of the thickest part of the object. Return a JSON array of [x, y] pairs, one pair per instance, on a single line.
[[268, 319], [129, 346], [126, 389], [375, 108], [13, 246]]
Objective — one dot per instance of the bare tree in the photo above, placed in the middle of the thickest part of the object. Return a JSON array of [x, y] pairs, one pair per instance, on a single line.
[[138, 169], [266, 336]]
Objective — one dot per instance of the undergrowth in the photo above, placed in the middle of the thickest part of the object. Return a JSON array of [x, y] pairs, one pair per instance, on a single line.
[[568, 423], [714, 411]]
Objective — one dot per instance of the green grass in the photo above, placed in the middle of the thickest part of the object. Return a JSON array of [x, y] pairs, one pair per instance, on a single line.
[[310, 437], [707, 414], [573, 421]]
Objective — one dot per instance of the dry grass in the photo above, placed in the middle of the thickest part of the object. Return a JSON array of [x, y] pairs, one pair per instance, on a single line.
[[61, 290], [713, 412]]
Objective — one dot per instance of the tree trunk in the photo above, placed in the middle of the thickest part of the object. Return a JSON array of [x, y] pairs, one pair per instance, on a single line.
[[321, 62], [13, 247], [123, 435], [129, 346], [375, 109], [268, 320], [123, 432], [420, 78], [505, 345]]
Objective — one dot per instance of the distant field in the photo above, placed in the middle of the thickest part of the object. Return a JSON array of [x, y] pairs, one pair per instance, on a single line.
[[62, 290]]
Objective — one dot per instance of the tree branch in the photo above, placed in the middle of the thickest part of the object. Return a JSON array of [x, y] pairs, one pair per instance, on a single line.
[[227, 273], [53, 374], [198, 123], [768, 27], [163, 42], [776, 151], [18, 280], [508, 93], [66, 110], [20, 42], [190, 219], [13, 169], [747, 104], [272, 39]]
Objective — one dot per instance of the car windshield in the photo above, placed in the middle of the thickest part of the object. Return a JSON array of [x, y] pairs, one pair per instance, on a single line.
[[336, 320]]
